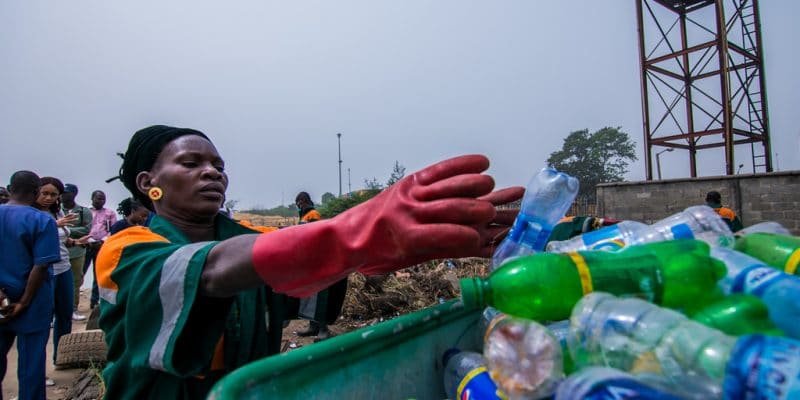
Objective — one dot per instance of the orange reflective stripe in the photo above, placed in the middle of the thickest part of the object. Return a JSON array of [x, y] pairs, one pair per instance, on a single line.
[[111, 252], [311, 216], [259, 228], [726, 213]]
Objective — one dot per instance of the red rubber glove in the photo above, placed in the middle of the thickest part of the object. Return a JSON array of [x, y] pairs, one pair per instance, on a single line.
[[446, 210]]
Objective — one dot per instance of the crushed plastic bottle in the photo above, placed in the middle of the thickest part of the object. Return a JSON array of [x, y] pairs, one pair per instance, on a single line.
[[698, 222], [603, 383], [547, 198], [764, 227]]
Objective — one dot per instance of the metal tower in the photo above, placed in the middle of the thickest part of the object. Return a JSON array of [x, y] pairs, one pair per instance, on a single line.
[[702, 80]]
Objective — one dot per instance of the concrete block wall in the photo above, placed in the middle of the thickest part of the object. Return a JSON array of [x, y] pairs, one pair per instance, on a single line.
[[754, 197]]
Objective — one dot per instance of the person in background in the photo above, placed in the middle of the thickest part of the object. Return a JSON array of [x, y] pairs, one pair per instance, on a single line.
[[324, 307], [184, 300], [133, 214], [3, 195], [28, 246], [102, 219], [77, 254], [48, 201], [714, 200]]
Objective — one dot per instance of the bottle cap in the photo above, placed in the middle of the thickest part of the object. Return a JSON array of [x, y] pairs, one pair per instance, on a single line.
[[471, 293]]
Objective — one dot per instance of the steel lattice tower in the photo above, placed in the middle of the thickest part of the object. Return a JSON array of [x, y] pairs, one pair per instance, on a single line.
[[702, 80]]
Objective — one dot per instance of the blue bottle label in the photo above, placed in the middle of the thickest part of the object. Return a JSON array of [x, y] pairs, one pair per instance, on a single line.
[[477, 385], [682, 231], [608, 238], [764, 367], [755, 279], [625, 389]]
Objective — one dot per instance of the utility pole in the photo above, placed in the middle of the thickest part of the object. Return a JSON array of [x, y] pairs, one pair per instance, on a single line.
[[339, 138], [349, 188]]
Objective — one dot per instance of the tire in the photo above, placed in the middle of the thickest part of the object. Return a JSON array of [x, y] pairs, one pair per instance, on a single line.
[[81, 350]]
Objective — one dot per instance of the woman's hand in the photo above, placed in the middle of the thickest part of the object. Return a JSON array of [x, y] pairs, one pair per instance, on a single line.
[[66, 220]]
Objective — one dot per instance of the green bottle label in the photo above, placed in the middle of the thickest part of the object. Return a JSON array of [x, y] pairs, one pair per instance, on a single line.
[[630, 277]]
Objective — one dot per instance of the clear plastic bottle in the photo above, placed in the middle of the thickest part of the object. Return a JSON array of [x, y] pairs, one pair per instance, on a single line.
[[465, 374], [547, 198], [698, 222], [764, 227], [523, 357], [603, 383], [639, 337], [778, 290]]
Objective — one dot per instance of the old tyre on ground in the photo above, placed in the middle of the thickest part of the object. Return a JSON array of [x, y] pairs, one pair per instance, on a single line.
[[81, 349]]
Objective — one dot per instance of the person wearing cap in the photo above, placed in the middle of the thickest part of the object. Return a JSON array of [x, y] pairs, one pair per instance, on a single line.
[[28, 248], [183, 300], [81, 227], [714, 200]]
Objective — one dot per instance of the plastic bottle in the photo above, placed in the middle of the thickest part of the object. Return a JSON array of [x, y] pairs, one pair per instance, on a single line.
[[465, 374], [639, 337], [523, 357], [547, 198], [560, 331], [698, 222], [778, 290], [738, 314], [763, 367], [603, 383], [545, 286], [779, 251], [764, 227]]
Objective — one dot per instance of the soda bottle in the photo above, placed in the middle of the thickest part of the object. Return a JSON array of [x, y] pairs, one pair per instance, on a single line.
[[778, 290], [698, 222], [764, 227], [523, 357], [545, 286], [779, 251], [466, 376], [738, 314], [603, 383], [547, 198], [639, 337]]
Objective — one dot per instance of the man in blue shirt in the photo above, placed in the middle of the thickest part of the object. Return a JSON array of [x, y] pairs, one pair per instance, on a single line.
[[28, 245]]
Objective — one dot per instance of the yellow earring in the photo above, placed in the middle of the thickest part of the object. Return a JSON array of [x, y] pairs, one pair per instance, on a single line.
[[155, 193]]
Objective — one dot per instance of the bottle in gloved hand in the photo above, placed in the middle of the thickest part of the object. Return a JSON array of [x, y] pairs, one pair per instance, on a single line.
[[698, 222], [738, 314], [778, 290], [547, 198], [603, 383], [466, 376], [523, 357], [779, 251], [545, 286]]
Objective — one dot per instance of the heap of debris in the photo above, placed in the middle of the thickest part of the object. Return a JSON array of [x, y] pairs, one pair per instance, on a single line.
[[372, 299]]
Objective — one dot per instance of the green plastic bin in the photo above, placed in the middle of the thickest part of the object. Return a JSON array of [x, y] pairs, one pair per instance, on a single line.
[[396, 359]]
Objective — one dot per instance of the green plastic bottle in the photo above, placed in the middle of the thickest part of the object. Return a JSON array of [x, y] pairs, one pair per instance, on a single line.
[[545, 286], [738, 314], [779, 251]]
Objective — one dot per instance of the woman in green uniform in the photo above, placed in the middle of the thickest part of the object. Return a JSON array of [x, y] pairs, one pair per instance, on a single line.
[[183, 300]]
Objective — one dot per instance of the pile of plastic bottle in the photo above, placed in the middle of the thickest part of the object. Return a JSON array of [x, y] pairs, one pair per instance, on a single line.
[[678, 309]]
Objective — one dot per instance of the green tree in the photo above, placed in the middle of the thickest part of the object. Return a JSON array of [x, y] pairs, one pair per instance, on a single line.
[[373, 184], [398, 172], [327, 196], [592, 158]]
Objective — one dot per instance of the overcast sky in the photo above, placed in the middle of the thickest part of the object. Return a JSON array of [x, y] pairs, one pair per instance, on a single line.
[[272, 82]]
